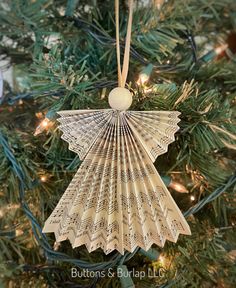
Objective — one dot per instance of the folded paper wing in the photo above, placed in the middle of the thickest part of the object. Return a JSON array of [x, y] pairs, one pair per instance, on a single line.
[[117, 199]]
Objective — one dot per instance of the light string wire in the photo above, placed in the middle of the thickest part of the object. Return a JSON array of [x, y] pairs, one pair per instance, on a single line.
[[42, 239]]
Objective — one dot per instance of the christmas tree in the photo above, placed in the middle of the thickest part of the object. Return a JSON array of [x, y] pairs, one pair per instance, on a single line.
[[61, 55]]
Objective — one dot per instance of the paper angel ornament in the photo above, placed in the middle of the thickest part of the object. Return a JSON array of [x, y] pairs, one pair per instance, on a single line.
[[117, 200]]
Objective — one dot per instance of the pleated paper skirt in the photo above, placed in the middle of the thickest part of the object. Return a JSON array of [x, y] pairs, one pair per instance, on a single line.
[[117, 200]]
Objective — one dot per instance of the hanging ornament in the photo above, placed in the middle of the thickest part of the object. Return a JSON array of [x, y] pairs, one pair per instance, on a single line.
[[117, 199]]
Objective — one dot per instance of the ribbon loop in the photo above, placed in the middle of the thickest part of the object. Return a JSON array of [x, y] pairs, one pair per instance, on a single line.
[[122, 74]]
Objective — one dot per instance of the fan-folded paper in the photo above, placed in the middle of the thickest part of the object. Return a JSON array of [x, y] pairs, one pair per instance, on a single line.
[[117, 200]]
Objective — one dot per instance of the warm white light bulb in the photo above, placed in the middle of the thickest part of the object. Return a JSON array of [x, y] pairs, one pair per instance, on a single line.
[[161, 259], [43, 178], [178, 187], [45, 122], [42, 126], [221, 49], [192, 198], [143, 78]]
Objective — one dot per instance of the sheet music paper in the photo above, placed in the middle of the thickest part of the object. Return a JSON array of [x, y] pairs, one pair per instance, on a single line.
[[117, 199]]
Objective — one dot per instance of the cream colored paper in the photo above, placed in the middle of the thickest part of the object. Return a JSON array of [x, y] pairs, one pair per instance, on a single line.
[[117, 200]]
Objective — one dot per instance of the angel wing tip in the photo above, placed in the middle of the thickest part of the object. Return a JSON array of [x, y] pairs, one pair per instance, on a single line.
[[46, 230], [60, 113], [187, 231]]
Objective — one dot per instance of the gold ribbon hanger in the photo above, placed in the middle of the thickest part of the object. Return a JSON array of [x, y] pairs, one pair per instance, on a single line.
[[122, 74]]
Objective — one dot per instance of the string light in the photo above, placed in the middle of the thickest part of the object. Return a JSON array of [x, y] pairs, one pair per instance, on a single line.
[[161, 259], [45, 122], [220, 49], [143, 78], [145, 74], [103, 94], [213, 53], [192, 198], [56, 246], [42, 126], [178, 187], [43, 178], [19, 232]]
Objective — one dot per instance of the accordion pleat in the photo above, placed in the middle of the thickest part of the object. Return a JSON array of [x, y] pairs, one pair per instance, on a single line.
[[117, 200]]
